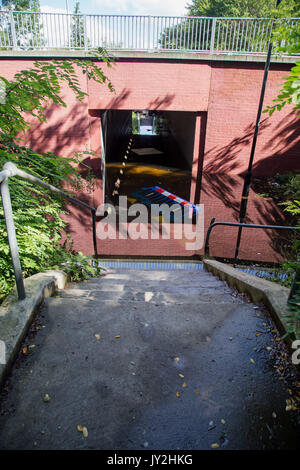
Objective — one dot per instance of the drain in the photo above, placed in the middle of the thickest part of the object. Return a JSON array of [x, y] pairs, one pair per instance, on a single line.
[[151, 265]]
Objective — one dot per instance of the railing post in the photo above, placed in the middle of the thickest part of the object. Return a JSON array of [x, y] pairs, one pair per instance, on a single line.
[[12, 239], [13, 30], [206, 248], [85, 35], [213, 34], [94, 233], [149, 31]]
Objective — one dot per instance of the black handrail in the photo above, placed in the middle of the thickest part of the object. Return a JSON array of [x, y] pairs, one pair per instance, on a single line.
[[237, 224], [296, 281]]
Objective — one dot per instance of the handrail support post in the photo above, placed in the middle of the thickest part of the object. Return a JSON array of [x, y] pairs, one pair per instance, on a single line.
[[94, 233], [12, 239], [213, 34], [13, 30]]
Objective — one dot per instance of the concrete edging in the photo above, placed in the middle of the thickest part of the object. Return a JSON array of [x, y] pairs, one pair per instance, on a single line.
[[16, 315], [272, 295], [149, 55]]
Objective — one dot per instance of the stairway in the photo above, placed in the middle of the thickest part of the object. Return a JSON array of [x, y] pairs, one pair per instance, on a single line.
[[148, 359]]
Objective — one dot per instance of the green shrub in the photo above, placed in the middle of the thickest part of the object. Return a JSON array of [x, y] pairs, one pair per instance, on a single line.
[[38, 222], [37, 212]]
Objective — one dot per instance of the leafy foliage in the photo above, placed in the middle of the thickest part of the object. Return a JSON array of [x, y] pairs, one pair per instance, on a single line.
[[293, 207], [77, 28], [286, 39], [231, 8], [284, 189], [135, 126], [31, 90], [37, 212], [28, 31], [188, 33], [21, 5], [293, 317]]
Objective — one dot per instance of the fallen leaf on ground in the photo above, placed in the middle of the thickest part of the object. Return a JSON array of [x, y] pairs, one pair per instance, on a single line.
[[223, 421], [252, 360], [97, 336], [181, 376], [176, 359], [79, 428], [215, 446], [85, 432], [117, 336], [274, 414], [46, 398], [177, 394], [184, 384], [25, 351]]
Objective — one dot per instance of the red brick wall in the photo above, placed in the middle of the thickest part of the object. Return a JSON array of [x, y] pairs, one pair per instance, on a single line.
[[224, 94], [228, 91], [233, 102]]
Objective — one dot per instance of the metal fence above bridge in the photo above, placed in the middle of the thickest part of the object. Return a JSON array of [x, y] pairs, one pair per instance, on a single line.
[[48, 31]]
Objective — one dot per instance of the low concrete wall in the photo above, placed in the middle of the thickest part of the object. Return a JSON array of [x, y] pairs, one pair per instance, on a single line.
[[17, 315], [272, 295]]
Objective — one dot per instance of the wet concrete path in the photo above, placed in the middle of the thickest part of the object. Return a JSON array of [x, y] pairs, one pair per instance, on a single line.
[[150, 360]]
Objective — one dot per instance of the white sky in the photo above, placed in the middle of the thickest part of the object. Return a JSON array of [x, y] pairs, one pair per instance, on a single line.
[[119, 7]]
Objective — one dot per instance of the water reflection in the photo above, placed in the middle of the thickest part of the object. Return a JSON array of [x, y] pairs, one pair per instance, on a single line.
[[221, 196]]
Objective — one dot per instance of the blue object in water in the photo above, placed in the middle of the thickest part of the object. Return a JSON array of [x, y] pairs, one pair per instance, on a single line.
[[157, 195]]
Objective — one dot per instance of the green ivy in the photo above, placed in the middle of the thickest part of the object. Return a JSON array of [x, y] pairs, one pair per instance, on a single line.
[[37, 212]]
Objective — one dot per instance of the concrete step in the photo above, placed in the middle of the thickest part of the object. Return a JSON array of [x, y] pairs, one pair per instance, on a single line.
[[133, 295], [133, 317], [150, 287], [156, 276], [146, 284]]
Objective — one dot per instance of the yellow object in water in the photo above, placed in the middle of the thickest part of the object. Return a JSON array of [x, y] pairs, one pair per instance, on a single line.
[[132, 200]]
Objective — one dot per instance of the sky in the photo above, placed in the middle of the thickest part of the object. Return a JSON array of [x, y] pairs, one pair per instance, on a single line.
[[119, 7]]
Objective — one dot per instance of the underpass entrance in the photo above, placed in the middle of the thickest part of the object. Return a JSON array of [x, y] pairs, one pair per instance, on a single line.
[[145, 148]]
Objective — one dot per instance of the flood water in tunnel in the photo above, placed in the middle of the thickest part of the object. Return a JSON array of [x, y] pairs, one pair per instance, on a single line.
[[155, 157]]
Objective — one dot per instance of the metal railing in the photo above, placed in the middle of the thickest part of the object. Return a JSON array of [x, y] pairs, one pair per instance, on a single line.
[[9, 170], [236, 224], [48, 31], [296, 282]]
